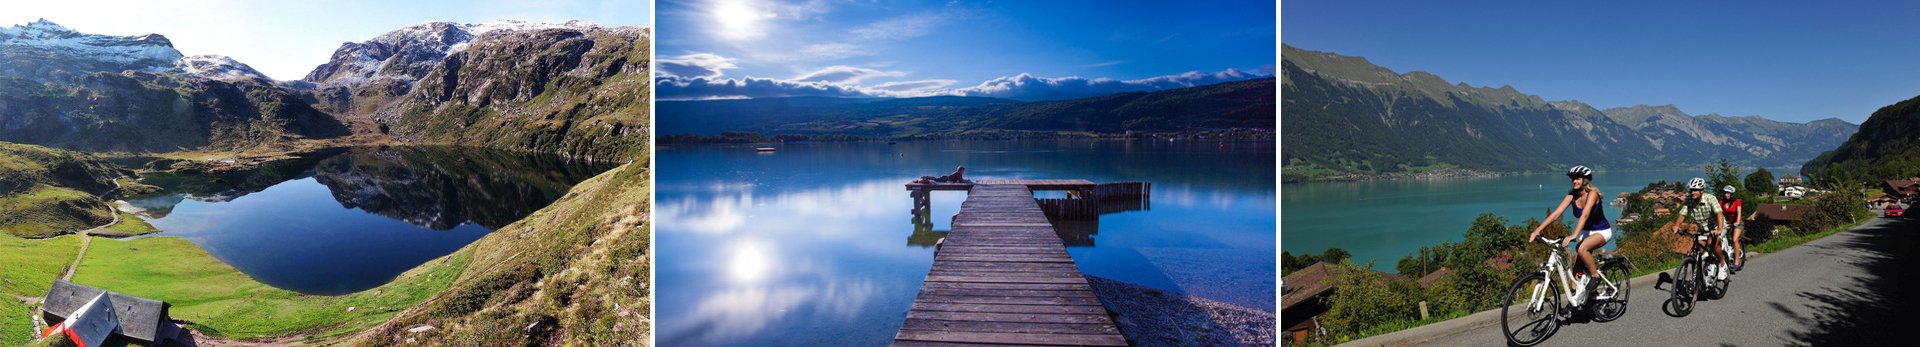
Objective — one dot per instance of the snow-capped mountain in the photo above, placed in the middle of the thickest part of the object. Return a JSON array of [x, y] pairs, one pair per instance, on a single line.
[[576, 88], [218, 67], [441, 82], [406, 54], [64, 88], [46, 51]]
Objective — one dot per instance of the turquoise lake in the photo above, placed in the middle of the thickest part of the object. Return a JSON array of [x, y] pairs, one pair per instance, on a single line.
[[1383, 221], [815, 244]]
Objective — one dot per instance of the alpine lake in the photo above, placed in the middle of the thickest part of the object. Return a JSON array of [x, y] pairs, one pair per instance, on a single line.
[[344, 220], [817, 243]]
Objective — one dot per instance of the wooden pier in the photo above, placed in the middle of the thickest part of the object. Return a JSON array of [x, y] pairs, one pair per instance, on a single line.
[[1002, 276]]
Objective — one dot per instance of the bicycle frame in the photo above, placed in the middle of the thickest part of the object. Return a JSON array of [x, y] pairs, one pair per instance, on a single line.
[[1553, 269]]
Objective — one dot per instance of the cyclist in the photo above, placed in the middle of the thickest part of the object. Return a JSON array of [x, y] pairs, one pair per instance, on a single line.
[[1703, 210], [1731, 207], [1592, 216]]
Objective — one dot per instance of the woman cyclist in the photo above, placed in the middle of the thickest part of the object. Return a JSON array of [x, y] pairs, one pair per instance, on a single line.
[[1592, 216], [1703, 210], [1730, 206]]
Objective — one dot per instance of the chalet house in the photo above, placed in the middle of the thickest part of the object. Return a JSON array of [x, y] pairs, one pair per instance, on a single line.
[[1301, 293], [1766, 217], [133, 319], [1883, 201], [1789, 180], [1300, 305], [1902, 189], [1427, 281]]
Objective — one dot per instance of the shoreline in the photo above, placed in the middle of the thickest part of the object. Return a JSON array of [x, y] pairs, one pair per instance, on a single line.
[[1154, 317]]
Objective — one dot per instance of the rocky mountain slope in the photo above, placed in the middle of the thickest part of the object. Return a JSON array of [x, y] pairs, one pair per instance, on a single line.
[[1343, 114], [575, 88], [1887, 147], [63, 88], [573, 273]]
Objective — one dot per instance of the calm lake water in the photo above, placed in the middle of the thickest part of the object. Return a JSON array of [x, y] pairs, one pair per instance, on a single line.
[[346, 220], [816, 245], [1385, 220]]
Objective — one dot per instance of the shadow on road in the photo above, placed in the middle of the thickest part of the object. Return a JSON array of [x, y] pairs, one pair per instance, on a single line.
[[1871, 309]]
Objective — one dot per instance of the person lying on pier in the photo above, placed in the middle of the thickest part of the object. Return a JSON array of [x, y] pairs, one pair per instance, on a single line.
[[958, 176]]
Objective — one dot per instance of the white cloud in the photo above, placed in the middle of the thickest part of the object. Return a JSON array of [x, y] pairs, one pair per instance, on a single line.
[[697, 76], [1028, 87], [819, 52], [902, 27], [830, 51], [681, 88], [914, 86], [845, 74], [697, 65]]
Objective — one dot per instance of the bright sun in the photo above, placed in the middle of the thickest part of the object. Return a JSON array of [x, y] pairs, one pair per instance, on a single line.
[[750, 262], [738, 19]]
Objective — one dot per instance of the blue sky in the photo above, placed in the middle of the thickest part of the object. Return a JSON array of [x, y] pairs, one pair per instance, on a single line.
[[1796, 61], [287, 39], [767, 48]]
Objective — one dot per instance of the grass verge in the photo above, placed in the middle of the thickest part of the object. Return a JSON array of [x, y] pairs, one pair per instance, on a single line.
[[27, 268], [221, 301], [129, 225], [46, 210], [1777, 244]]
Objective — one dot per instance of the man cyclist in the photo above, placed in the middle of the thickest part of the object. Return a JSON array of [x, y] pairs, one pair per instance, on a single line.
[[1704, 210]]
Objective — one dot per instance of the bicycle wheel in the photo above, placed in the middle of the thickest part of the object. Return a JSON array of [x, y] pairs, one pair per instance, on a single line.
[[1523, 324], [1685, 284], [1719, 289], [1616, 306]]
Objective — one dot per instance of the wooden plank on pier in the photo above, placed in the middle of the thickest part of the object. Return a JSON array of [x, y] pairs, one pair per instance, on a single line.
[[1002, 277]]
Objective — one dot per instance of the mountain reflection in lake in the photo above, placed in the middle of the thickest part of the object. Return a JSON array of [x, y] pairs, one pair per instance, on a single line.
[[345, 220], [817, 244]]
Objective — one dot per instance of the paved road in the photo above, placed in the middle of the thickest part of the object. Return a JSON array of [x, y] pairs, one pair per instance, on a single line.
[[1853, 288]]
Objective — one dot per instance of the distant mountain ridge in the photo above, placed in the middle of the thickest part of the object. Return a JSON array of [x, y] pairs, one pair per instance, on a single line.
[[574, 88], [63, 88], [1343, 114], [1246, 104]]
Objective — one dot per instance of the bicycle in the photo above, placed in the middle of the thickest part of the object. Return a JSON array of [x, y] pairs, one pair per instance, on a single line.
[[1542, 303], [1691, 279]]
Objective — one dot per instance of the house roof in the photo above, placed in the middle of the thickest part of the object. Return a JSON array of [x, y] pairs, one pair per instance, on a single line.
[[1782, 212], [140, 318], [1305, 283], [1313, 281], [1904, 187], [1434, 276]]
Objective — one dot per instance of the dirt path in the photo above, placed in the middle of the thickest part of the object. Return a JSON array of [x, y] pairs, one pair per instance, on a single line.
[[85, 241], [86, 237]]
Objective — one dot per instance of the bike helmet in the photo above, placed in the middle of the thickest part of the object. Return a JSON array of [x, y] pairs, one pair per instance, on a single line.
[[1697, 184], [1580, 171], [1728, 189]]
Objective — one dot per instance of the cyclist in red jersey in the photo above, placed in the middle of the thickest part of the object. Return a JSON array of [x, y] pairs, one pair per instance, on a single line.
[[1730, 205]]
